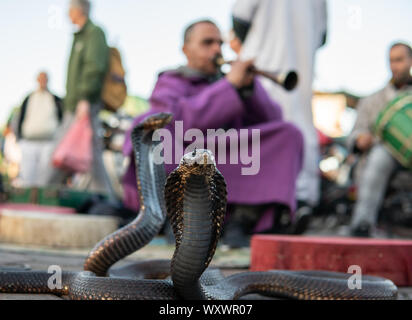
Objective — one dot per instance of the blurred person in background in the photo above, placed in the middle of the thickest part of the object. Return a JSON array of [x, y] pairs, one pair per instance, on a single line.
[[200, 96], [377, 164], [37, 123], [88, 66], [283, 35]]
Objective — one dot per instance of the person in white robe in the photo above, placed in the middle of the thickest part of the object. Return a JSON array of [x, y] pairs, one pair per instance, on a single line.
[[283, 35]]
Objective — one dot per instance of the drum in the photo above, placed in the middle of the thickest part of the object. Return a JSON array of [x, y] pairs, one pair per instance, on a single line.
[[394, 127]]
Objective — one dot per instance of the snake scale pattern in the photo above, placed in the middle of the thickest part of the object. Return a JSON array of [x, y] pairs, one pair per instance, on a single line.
[[194, 197]]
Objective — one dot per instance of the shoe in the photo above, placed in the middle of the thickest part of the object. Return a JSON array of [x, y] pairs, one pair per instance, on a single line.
[[303, 217], [282, 222], [363, 230], [234, 236]]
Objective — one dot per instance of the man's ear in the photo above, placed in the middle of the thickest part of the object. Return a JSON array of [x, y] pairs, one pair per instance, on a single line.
[[185, 50]]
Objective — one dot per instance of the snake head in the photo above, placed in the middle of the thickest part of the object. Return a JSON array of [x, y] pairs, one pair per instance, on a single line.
[[145, 129], [156, 121], [200, 161]]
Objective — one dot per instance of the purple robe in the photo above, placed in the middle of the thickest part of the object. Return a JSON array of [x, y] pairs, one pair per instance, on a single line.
[[204, 105]]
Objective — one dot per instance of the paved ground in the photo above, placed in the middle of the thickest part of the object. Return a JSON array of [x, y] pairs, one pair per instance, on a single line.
[[36, 258], [229, 261], [40, 258]]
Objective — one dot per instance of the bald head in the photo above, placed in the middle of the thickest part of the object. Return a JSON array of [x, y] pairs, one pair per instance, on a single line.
[[42, 80], [202, 42], [400, 57], [189, 29], [404, 46]]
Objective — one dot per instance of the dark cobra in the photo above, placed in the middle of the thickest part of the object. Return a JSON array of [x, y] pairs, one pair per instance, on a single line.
[[194, 197]]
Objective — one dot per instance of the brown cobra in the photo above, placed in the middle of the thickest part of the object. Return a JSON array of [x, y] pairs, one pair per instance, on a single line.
[[195, 195]]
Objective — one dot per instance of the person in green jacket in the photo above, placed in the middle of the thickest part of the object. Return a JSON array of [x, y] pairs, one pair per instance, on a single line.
[[89, 58], [88, 65]]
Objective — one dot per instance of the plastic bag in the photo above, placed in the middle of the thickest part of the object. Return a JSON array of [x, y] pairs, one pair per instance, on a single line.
[[74, 152]]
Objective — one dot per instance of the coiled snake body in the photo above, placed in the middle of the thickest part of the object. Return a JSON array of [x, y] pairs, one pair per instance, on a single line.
[[194, 197]]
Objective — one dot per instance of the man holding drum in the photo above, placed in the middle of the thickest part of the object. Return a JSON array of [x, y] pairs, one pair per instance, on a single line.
[[377, 164]]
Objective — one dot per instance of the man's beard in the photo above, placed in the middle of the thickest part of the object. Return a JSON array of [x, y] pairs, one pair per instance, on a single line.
[[402, 80]]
